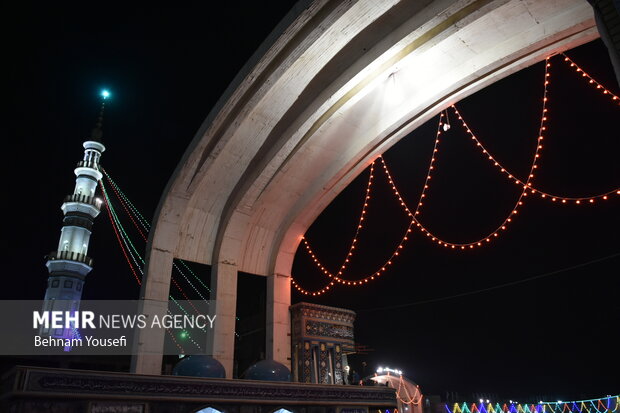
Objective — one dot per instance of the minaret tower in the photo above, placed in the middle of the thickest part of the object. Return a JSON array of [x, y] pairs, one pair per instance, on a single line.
[[69, 264]]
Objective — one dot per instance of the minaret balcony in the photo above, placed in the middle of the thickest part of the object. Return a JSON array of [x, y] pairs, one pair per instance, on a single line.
[[82, 203], [88, 164], [70, 256], [84, 199]]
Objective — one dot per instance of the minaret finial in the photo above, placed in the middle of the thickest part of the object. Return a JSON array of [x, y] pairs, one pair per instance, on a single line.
[[97, 132]]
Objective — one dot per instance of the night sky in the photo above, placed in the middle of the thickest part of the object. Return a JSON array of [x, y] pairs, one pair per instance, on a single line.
[[550, 328]]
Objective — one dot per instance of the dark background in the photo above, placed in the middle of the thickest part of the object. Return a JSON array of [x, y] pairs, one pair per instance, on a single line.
[[554, 336]]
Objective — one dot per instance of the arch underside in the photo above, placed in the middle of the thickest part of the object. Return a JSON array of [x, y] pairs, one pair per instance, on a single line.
[[336, 84]]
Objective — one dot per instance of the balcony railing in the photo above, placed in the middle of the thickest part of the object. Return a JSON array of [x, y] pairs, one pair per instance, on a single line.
[[91, 200], [71, 256], [88, 164]]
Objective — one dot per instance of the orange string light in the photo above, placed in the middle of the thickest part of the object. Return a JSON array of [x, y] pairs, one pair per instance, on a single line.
[[525, 184], [589, 200], [349, 255], [591, 80], [399, 247]]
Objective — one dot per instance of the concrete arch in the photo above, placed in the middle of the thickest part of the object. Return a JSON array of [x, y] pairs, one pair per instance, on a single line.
[[336, 84]]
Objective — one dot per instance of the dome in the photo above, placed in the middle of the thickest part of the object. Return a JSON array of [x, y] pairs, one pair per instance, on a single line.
[[199, 366], [268, 370]]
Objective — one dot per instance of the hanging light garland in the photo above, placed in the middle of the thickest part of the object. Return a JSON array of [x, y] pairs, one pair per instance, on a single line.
[[408, 399], [349, 254], [609, 404], [397, 251], [526, 185], [123, 242], [590, 199], [138, 262], [136, 218], [591, 80]]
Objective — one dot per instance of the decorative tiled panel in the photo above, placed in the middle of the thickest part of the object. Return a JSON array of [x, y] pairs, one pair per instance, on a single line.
[[323, 365], [319, 330], [338, 368], [306, 376], [328, 330], [62, 384]]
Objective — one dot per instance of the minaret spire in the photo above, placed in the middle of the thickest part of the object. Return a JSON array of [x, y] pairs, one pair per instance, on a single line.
[[97, 132], [68, 265]]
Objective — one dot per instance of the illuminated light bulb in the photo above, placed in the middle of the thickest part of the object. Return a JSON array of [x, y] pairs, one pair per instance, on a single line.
[[578, 202], [605, 197], [564, 201], [553, 199]]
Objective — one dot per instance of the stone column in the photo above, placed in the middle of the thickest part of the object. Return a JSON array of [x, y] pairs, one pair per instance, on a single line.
[[279, 318], [221, 340], [149, 342]]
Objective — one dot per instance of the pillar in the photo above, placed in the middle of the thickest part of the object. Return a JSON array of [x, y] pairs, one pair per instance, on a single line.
[[221, 341], [149, 342], [279, 319]]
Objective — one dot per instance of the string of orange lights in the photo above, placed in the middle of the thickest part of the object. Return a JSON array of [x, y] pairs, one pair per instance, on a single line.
[[591, 80], [520, 200], [526, 189], [336, 278], [407, 399], [590, 199], [349, 254]]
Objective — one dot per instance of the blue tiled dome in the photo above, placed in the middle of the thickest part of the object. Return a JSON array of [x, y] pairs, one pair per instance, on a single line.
[[199, 366], [268, 370]]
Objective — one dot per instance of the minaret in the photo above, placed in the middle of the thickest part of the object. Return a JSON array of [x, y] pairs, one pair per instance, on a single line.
[[69, 264]]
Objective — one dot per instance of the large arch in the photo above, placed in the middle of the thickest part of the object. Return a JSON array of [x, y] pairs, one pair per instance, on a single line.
[[336, 84]]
